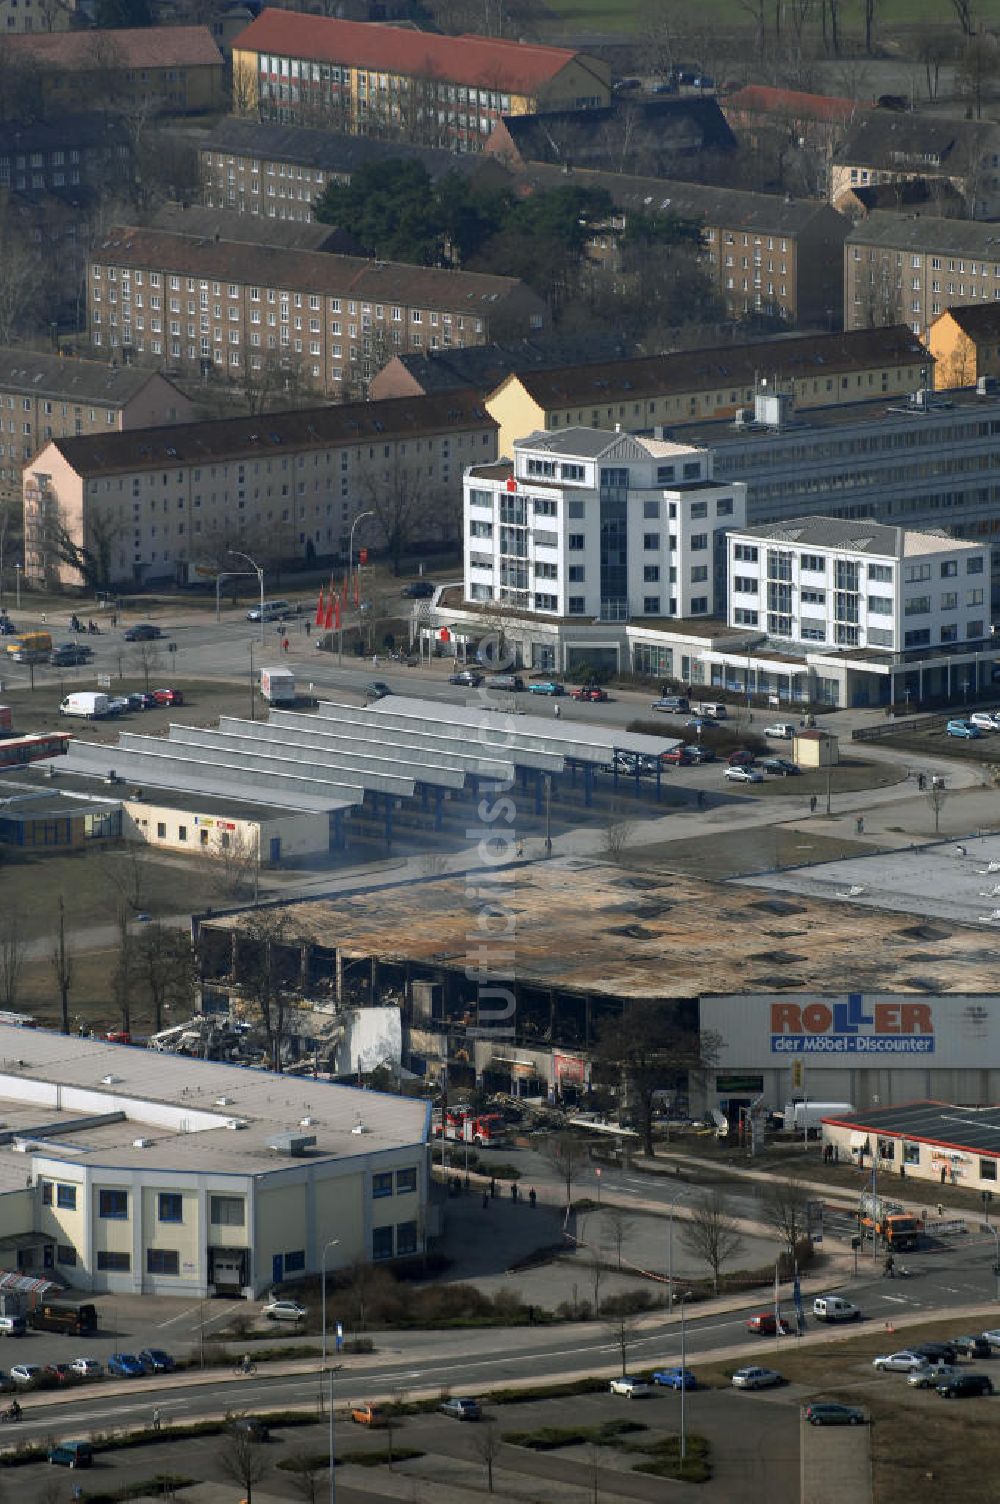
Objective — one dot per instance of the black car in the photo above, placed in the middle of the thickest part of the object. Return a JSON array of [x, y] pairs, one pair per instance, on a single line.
[[972, 1347], [937, 1352], [251, 1426], [143, 631], [418, 590], [467, 677], [963, 1385], [68, 654], [778, 767]]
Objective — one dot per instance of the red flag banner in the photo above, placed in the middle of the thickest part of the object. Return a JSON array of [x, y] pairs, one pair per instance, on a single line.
[[336, 612], [328, 622], [320, 610]]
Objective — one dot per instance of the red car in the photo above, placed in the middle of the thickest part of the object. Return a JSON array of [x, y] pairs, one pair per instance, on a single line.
[[60, 1373], [765, 1324], [168, 697], [741, 758], [679, 755], [592, 692]]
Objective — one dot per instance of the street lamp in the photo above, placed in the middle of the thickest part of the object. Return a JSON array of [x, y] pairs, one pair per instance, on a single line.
[[670, 1251], [350, 570], [333, 1458], [258, 571], [684, 1300], [17, 579], [333, 1243]]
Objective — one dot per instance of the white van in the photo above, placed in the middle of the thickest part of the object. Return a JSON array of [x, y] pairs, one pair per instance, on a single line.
[[273, 610], [714, 709], [832, 1308], [86, 703]]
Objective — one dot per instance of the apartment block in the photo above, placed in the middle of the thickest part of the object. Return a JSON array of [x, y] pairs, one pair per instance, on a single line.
[[282, 486], [600, 526], [324, 322], [765, 253], [398, 84], [884, 147], [816, 370], [279, 171], [72, 150], [46, 396], [172, 70], [906, 270], [858, 585]]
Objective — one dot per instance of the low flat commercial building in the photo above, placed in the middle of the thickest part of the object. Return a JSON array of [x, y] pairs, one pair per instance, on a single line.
[[44, 396], [395, 83], [286, 485], [324, 322], [930, 1141], [642, 394], [278, 171], [137, 1172], [600, 526], [900, 268]]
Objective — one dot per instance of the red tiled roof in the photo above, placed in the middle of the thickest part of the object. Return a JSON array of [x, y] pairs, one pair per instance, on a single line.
[[482, 61], [761, 99], [142, 47]]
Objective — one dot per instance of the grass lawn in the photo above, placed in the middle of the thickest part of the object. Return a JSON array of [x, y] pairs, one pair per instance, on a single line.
[[632, 15]]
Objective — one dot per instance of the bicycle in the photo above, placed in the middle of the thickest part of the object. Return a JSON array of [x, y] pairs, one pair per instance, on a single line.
[[243, 1370]]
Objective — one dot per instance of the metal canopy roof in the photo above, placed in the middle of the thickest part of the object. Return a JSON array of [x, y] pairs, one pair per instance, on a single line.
[[351, 746], [512, 733], [316, 763], [452, 742]]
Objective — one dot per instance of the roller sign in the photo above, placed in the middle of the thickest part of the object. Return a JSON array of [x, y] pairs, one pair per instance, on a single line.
[[848, 1027]]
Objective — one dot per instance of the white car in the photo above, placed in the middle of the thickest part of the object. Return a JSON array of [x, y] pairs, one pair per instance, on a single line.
[[743, 775], [632, 1389], [25, 1373], [87, 1368], [992, 1336], [285, 1310], [931, 1375], [984, 719], [756, 1378], [901, 1362]]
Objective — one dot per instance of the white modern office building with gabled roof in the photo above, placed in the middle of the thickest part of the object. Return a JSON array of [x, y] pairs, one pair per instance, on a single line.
[[589, 524]]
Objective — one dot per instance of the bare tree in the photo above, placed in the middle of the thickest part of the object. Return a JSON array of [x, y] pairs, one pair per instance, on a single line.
[[648, 1050], [306, 1470], [621, 1225], [785, 1207], [619, 830], [977, 72], [595, 1273], [488, 1445], [91, 557], [567, 1155], [123, 976], [242, 1459], [264, 941], [623, 1334], [398, 497], [13, 947], [165, 962], [22, 288], [712, 1235], [126, 870], [62, 966], [965, 14], [393, 1419], [936, 796], [235, 859], [144, 658]]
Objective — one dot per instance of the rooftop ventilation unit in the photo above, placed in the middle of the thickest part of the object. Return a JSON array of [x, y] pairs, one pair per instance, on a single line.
[[361, 1128], [237, 1123], [223, 1101], [142, 1143], [111, 1080], [291, 1143]]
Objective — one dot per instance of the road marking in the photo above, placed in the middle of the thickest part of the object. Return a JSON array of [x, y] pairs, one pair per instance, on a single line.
[[899, 1300]]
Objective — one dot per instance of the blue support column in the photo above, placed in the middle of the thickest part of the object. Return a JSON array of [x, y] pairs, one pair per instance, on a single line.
[[659, 776], [588, 784], [438, 808], [388, 818], [423, 796], [539, 789]]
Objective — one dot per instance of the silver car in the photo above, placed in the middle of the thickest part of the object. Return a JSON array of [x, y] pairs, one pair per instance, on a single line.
[[904, 1361], [756, 1378], [930, 1376]]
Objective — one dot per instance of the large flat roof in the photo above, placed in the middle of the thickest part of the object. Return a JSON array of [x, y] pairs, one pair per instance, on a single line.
[[975, 1128], [587, 925], [185, 1111]]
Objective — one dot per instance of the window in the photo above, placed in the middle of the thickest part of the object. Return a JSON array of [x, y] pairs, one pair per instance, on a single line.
[[171, 1207], [987, 1168], [973, 597], [650, 540], [161, 830], [576, 542], [975, 565], [66, 1254], [162, 1261], [699, 574], [114, 1205], [113, 1263], [699, 605], [227, 1211], [699, 509], [46, 1193], [745, 552], [699, 541], [66, 1197], [406, 1238], [381, 1243], [295, 1261], [406, 1181], [949, 569], [577, 605], [650, 510], [382, 1184], [918, 639], [882, 573], [949, 600], [577, 574], [651, 605], [914, 574], [917, 605], [651, 574], [724, 507]]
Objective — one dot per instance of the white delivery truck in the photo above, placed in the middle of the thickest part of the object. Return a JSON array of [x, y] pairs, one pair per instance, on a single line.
[[277, 685], [809, 1115], [92, 706]]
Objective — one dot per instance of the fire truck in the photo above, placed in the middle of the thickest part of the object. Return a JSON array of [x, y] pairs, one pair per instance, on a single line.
[[467, 1128]]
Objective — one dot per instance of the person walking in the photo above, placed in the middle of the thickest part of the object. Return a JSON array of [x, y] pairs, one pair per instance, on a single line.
[[557, 711], [813, 801], [156, 1420], [532, 1198], [284, 644]]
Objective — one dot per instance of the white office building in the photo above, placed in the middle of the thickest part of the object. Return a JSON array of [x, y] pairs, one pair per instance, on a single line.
[[828, 582], [602, 526]]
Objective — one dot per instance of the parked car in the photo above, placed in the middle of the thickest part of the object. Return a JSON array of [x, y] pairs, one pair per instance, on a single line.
[[756, 1378], [141, 700], [962, 728], [125, 1366], [167, 697], [467, 677], [781, 731], [992, 1336], [251, 1426], [119, 705], [631, 1388], [741, 774], [592, 692], [418, 590], [964, 1385], [86, 1368], [905, 1361], [696, 722], [835, 1308], [973, 1347], [466, 1409], [671, 705], [983, 720], [936, 1352], [678, 755], [546, 687], [69, 654], [368, 1415], [155, 1360], [766, 1324], [60, 1373], [828, 1413], [377, 689], [675, 1378], [779, 767], [285, 1310], [25, 1373], [741, 758], [931, 1376], [71, 1454], [143, 631], [699, 754]]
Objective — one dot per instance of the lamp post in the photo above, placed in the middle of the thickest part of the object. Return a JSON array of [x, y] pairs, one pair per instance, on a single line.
[[17, 584], [259, 572], [684, 1300], [333, 1243], [350, 570], [253, 704], [333, 1458], [670, 1251]]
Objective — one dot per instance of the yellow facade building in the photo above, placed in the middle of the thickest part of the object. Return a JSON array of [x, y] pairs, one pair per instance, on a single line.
[[965, 343]]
